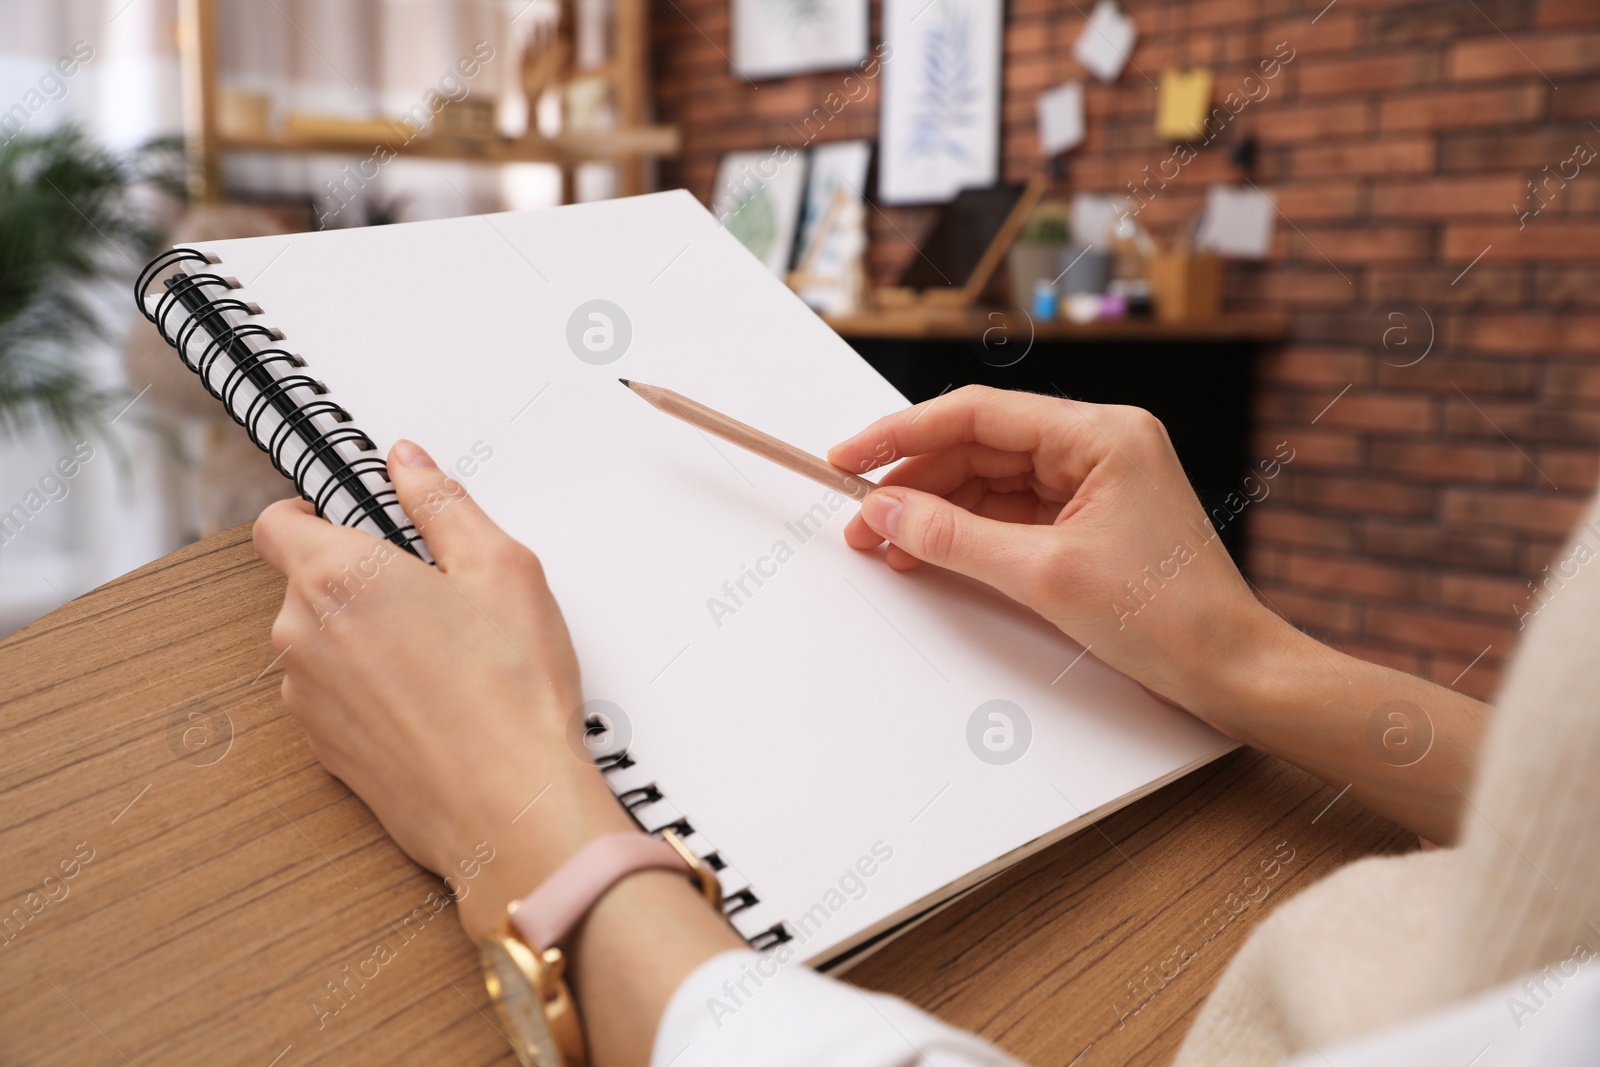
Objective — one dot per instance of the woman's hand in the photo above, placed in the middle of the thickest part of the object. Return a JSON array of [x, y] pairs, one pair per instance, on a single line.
[[1083, 513], [442, 697], [1080, 511]]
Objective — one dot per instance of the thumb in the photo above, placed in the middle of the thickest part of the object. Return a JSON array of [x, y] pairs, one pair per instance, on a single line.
[[451, 522], [1001, 554]]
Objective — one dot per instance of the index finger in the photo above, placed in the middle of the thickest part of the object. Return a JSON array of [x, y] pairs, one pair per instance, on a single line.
[[1001, 419], [289, 532]]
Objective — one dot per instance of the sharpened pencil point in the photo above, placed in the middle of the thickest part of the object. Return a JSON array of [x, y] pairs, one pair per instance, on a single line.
[[625, 381]]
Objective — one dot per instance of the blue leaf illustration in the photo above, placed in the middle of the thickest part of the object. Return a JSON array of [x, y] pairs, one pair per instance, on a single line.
[[801, 14], [948, 97]]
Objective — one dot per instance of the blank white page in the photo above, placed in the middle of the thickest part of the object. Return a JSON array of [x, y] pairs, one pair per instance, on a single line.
[[827, 713]]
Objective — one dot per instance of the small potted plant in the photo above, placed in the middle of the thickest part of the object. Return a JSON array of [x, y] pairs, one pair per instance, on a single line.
[[1036, 255]]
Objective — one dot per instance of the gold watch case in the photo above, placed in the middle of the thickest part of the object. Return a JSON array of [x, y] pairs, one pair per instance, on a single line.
[[530, 994], [529, 988]]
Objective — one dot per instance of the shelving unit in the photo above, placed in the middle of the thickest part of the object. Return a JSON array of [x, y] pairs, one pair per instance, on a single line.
[[630, 145]]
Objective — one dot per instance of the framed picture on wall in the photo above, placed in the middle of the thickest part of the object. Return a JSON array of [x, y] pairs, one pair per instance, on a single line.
[[757, 199], [940, 126], [776, 37], [841, 165]]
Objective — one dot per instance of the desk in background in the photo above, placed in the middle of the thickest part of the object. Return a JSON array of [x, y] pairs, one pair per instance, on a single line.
[[1196, 377], [233, 893]]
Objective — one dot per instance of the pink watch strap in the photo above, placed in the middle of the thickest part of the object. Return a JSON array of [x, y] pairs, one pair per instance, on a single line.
[[552, 911]]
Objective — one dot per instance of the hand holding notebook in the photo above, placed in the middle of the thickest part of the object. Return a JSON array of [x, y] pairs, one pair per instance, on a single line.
[[848, 748], [703, 587]]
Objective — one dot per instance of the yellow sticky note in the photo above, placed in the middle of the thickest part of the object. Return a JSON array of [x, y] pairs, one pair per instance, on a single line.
[[1182, 102]]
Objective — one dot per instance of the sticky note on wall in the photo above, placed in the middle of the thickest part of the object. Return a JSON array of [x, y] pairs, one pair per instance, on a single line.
[[1106, 42], [1061, 118], [1181, 103], [1237, 223]]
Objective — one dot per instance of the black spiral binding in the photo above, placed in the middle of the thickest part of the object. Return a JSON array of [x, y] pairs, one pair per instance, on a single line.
[[276, 392], [641, 796], [294, 396]]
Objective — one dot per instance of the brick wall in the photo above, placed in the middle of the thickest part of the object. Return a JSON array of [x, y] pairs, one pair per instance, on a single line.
[[1422, 498]]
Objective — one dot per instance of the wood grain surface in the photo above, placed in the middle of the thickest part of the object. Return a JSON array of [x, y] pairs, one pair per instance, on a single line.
[[182, 884]]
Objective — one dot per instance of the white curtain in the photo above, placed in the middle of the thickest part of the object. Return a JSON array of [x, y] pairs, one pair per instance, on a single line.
[[350, 57]]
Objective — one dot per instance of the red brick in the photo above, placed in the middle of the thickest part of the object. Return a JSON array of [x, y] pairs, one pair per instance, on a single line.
[[1436, 461], [1390, 155], [1314, 449], [1483, 594], [1578, 198], [1541, 552], [1575, 468], [1491, 194], [1541, 239], [1533, 512], [1564, 286], [1172, 209], [1341, 574], [1417, 291], [1520, 334], [1342, 245], [1209, 13], [1032, 74], [1313, 121], [1427, 629], [1576, 100], [1308, 201], [1366, 74], [1566, 12], [1450, 108], [1442, 23], [1365, 495], [1332, 31], [1434, 545], [1278, 524], [1446, 371], [1571, 381], [1301, 286], [1535, 149], [1306, 365], [1541, 54], [1361, 410], [1521, 422]]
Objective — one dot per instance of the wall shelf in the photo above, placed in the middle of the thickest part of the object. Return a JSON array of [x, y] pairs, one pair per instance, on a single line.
[[573, 147], [630, 145]]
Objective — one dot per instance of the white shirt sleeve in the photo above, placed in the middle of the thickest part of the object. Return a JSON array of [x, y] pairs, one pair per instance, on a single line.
[[743, 1007]]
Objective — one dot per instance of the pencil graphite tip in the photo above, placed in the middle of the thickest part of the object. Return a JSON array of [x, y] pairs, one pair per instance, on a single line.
[[626, 382]]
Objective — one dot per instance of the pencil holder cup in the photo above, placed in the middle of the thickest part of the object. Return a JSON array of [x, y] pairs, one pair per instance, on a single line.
[[1186, 286]]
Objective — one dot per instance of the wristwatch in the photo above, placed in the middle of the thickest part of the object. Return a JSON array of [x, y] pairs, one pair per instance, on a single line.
[[524, 967]]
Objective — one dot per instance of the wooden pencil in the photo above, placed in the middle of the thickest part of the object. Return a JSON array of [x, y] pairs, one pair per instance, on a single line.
[[751, 439]]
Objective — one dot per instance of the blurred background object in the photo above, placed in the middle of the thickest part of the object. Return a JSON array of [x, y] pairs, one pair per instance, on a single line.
[[1368, 233], [129, 125]]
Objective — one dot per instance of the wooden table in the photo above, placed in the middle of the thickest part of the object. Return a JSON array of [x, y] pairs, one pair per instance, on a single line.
[[220, 879]]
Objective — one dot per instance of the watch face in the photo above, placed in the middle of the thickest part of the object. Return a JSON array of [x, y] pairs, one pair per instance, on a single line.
[[506, 966]]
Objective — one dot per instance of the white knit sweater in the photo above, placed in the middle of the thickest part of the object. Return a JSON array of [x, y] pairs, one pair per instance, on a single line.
[[1385, 939]]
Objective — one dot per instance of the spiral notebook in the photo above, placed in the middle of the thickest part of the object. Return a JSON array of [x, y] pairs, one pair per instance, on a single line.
[[850, 746]]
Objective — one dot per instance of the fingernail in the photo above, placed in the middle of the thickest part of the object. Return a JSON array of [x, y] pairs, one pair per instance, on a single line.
[[408, 454], [882, 512]]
